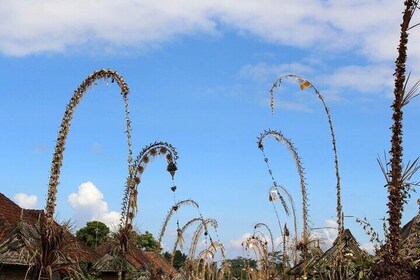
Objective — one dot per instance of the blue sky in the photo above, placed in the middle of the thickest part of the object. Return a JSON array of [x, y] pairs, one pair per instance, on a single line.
[[199, 75]]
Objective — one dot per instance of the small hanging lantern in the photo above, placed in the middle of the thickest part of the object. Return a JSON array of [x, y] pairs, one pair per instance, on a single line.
[[304, 84], [286, 231], [172, 168], [274, 195]]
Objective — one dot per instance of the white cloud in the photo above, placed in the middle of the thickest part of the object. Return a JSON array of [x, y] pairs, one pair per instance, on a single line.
[[28, 27], [263, 72], [41, 25], [97, 148], [367, 79], [40, 149], [370, 247], [26, 201], [326, 234], [88, 205], [290, 105], [237, 243]]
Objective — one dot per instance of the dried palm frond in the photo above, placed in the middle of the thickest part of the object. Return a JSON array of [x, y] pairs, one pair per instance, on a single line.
[[217, 245], [47, 255], [225, 269], [261, 253], [411, 94], [180, 238], [204, 259], [181, 234]]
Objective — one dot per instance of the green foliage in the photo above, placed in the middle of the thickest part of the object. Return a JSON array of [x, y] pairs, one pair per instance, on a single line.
[[179, 258], [93, 234], [356, 269], [239, 267], [276, 260], [146, 242]]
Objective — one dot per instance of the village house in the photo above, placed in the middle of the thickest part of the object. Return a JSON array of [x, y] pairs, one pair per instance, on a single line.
[[19, 236]]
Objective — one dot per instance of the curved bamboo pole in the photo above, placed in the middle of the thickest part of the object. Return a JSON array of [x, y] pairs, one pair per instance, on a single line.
[[181, 233], [129, 206], [285, 235], [218, 245], [197, 234], [258, 225], [171, 212], [261, 251], [303, 83], [246, 247], [203, 256], [103, 74], [280, 138], [225, 269]]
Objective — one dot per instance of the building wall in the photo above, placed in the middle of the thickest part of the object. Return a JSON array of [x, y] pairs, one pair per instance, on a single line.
[[108, 276], [13, 272]]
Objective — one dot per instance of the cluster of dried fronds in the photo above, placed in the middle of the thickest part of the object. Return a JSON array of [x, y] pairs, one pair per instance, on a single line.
[[206, 260], [299, 166], [259, 225], [259, 245], [47, 256]]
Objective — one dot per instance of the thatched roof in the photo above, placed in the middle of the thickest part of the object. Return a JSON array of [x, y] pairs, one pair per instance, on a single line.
[[137, 259], [108, 260], [11, 214], [15, 249], [20, 234], [350, 248], [410, 236], [411, 228]]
